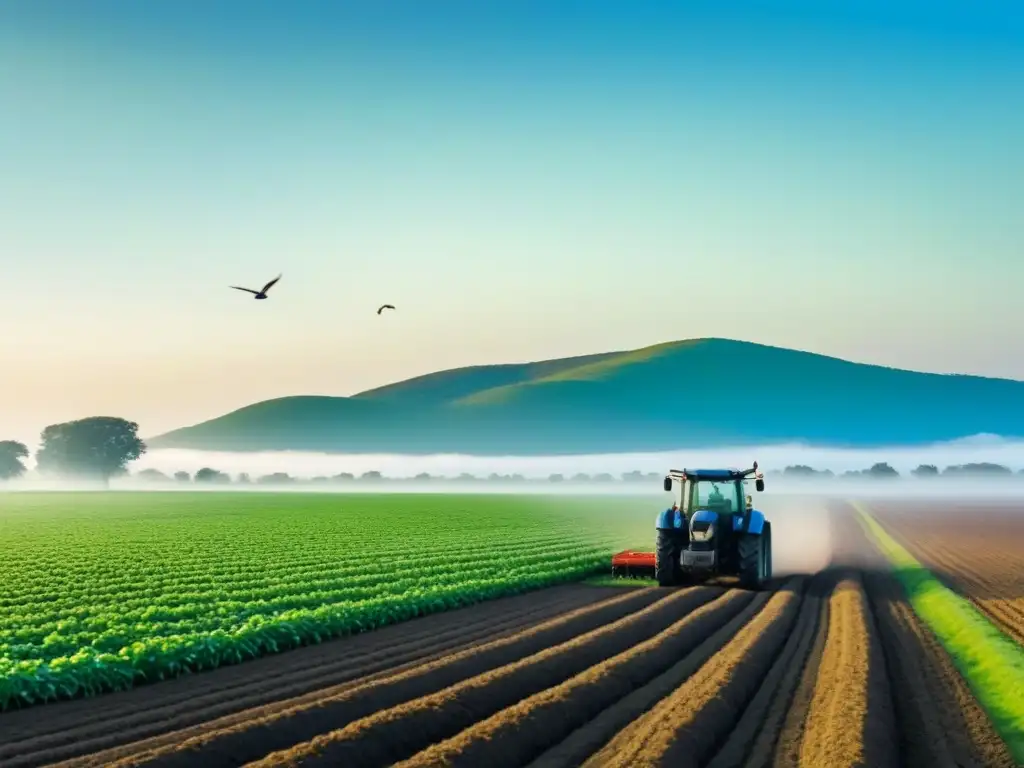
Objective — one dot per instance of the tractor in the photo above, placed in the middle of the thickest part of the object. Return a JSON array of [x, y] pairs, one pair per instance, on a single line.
[[712, 529]]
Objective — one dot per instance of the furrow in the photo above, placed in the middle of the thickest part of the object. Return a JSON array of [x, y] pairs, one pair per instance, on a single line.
[[693, 721], [394, 734], [850, 719], [758, 729], [515, 735]]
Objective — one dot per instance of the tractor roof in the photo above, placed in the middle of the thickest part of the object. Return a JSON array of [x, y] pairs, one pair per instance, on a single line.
[[711, 474]]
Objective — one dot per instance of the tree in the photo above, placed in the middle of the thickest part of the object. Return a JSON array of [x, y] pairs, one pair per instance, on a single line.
[[372, 475], [96, 447], [882, 470], [556, 478], [805, 472], [210, 475], [799, 470], [152, 476], [636, 476], [925, 470], [581, 477], [276, 478], [422, 476], [11, 454], [182, 477], [979, 469], [604, 477], [243, 478], [344, 477]]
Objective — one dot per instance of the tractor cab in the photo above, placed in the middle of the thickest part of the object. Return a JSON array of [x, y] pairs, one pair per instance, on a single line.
[[718, 493]]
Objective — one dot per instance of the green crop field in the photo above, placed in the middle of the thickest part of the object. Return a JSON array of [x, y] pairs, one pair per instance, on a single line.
[[102, 591]]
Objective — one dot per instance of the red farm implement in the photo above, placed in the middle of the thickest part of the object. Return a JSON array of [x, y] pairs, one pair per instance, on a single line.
[[630, 564]]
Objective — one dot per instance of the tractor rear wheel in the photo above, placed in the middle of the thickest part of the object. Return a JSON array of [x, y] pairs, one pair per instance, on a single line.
[[666, 558], [753, 556]]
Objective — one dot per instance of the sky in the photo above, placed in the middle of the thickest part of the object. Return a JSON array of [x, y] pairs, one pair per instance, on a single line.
[[522, 179]]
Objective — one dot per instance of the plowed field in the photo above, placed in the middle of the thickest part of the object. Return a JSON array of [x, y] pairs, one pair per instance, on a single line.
[[977, 549], [824, 669]]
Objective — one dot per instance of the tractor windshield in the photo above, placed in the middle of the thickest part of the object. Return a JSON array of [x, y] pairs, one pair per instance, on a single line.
[[715, 495]]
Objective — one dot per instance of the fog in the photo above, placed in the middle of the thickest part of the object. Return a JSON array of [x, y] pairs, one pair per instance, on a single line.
[[775, 457], [534, 470]]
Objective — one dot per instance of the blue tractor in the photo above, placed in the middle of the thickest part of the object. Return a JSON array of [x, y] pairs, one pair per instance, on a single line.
[[713, 529]]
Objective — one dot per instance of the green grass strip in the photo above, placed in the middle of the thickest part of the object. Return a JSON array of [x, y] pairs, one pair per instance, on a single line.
[[990, 662], [615, 581]]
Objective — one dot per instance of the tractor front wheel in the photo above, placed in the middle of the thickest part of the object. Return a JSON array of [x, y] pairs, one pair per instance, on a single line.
[[666, 560]]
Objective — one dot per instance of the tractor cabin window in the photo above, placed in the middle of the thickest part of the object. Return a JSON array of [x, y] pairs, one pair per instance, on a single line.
[[720, 497]]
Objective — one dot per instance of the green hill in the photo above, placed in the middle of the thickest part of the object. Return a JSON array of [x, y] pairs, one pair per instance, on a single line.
[[702, 392]]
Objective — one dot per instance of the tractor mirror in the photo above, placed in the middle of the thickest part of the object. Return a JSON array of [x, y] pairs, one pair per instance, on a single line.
[[759, 484], [667, 485]]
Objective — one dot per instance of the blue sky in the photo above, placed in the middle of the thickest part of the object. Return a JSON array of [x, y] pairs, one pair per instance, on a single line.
[[522, 179]]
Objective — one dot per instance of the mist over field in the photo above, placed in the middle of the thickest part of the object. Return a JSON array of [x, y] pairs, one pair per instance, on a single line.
[[444, 468], [982, 448]]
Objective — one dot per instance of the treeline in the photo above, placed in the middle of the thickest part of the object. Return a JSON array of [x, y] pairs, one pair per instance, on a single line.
[[101, 447], [882, 470], [211, 476]]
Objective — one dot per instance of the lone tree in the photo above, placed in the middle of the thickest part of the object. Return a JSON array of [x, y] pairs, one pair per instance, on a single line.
[[11, 454], [925, 470], [97, 447], [183, 477]]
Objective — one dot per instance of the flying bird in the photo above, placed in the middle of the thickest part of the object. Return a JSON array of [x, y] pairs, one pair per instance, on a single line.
[[385, 306], [261, 294]]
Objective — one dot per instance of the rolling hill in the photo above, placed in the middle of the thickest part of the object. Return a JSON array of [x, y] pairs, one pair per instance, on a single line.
[[702, 392]]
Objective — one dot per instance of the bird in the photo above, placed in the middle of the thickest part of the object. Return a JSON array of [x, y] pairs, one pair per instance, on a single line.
[[385, 306], [261, 294]]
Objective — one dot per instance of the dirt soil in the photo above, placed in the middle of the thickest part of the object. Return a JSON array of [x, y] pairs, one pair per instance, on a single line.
[[830, 667], [975, 548]]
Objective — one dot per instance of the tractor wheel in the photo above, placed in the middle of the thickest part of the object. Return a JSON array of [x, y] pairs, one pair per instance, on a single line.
[[768, 552], [666, 559], [752, 558]]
